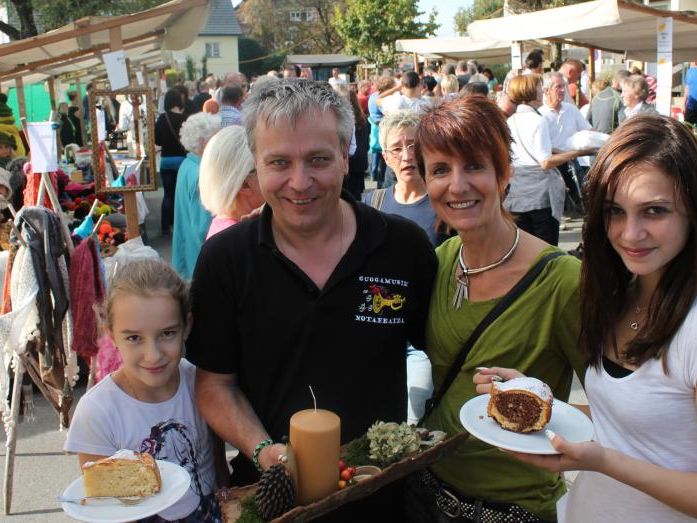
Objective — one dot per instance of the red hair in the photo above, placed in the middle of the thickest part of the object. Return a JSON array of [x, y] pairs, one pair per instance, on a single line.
[[470, 127]]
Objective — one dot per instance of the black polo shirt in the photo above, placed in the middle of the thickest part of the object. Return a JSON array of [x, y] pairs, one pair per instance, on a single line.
[[257, 315]]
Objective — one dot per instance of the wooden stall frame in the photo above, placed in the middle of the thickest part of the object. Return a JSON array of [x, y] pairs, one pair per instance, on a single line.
[[147, 99]]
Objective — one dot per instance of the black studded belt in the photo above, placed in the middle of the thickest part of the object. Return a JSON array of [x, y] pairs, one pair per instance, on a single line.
[[478, 510]]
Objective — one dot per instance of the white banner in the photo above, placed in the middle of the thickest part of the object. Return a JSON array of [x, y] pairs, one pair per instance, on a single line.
[[664, 63], [116, 69], [516, 55], [44, 151]]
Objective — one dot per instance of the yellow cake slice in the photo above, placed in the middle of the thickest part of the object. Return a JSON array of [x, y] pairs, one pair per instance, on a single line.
[[126, 473]]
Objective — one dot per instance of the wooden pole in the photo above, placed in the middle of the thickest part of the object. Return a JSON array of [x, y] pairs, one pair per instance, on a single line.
[[21, 102], [129, 200], [52, 98], [93, 372], [12, 434], [46, 182], [591, 68], [52, 92], [129, 197]]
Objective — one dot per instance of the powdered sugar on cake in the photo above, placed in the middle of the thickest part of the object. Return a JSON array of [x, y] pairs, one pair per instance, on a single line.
[[533, 385], [121, 454], [125, 454]]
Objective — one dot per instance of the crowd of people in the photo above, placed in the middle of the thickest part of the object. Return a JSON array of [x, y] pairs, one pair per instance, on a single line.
[[472, 180]]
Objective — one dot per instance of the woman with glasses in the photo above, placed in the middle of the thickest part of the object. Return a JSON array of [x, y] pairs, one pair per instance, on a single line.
[[407, 198]]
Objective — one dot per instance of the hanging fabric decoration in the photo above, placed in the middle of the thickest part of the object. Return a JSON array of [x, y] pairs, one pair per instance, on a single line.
[[86, 289]]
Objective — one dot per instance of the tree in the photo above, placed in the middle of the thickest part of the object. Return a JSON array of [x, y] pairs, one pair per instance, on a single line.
[[50, 14], [480, 10], [483, 9], [309, 35], [260, 22], [254, 59], [27, 26], [370, 28], [322, 34]]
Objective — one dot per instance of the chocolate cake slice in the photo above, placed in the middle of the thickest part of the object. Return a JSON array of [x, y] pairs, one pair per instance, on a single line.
[[521, 404]]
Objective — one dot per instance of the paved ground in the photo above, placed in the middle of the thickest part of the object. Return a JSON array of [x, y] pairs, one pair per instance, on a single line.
[[42, 470]]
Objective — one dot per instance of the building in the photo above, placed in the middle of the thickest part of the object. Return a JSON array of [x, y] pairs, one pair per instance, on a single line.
[[217, 41], [291, 26], [672, 5]]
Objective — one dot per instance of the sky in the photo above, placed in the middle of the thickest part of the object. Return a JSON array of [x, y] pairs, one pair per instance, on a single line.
[[446, 13]]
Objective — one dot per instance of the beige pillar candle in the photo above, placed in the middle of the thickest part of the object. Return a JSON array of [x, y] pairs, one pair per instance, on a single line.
[[315, 436]]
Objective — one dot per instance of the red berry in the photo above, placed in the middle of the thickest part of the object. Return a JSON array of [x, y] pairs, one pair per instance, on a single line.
[[342, 464], [352, 470], [346, 474]]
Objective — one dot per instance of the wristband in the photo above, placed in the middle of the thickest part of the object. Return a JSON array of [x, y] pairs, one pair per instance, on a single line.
[[257, 451]]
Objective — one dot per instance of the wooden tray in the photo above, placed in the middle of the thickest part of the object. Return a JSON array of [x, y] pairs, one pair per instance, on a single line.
[[230, 498]]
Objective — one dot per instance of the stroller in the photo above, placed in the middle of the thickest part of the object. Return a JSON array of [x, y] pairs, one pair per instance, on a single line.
[[573, 174]]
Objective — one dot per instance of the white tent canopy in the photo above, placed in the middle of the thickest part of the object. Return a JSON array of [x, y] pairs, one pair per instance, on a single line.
[[77, 47], [459, 48], [613, 25]]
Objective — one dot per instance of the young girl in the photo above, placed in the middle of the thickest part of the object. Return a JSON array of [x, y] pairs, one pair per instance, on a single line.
[[148, 404], [639, 332]]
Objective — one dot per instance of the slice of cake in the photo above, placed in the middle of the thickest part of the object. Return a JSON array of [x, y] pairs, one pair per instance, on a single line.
[[124, 474], [521, 404]]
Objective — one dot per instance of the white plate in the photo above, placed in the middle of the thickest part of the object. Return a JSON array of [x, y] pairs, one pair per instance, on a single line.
[[175, 483], [567, 421]]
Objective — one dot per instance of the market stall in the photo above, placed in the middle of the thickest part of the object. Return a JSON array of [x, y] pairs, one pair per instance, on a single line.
[[639, 32], [613, 25], [322, 64], [460, 48]]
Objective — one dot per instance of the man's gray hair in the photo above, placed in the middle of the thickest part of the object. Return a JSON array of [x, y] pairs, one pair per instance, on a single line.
[[291, 99], [396, 120], [548, 78], [619, 77]]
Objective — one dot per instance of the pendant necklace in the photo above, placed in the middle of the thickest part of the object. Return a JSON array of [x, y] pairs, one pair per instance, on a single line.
[[463, 273], [634, 325]]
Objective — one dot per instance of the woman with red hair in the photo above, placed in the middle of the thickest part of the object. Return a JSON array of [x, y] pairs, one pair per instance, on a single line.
[[463, 152]]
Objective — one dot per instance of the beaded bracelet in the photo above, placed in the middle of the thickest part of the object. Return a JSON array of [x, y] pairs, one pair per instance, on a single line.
[[257, 451]]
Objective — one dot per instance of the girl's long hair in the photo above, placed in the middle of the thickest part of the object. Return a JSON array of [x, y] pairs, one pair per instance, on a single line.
[[669, 146]]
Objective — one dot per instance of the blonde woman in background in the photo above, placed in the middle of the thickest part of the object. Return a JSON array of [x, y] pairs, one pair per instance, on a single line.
[[228, 182], [449, 87]]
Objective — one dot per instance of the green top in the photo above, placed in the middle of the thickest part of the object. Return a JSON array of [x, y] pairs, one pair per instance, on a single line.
[[537, 335]]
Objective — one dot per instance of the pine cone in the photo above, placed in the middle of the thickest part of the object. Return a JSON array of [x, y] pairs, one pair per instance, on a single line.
[[276, 492]]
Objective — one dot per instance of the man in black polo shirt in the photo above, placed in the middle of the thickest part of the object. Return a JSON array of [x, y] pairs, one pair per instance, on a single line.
[[319, 290]]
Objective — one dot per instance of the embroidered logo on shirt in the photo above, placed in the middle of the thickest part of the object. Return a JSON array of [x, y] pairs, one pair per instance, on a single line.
[[379, 302]]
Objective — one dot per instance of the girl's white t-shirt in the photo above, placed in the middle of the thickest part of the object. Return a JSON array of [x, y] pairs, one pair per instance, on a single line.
[[107, 419], [648, 415]]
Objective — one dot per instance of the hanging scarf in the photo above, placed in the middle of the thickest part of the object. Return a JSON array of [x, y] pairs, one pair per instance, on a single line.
[[86, 289]]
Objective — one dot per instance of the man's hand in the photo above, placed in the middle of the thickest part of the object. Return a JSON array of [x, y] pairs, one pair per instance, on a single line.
[[588, 455], [486, 375], [268, 457]]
